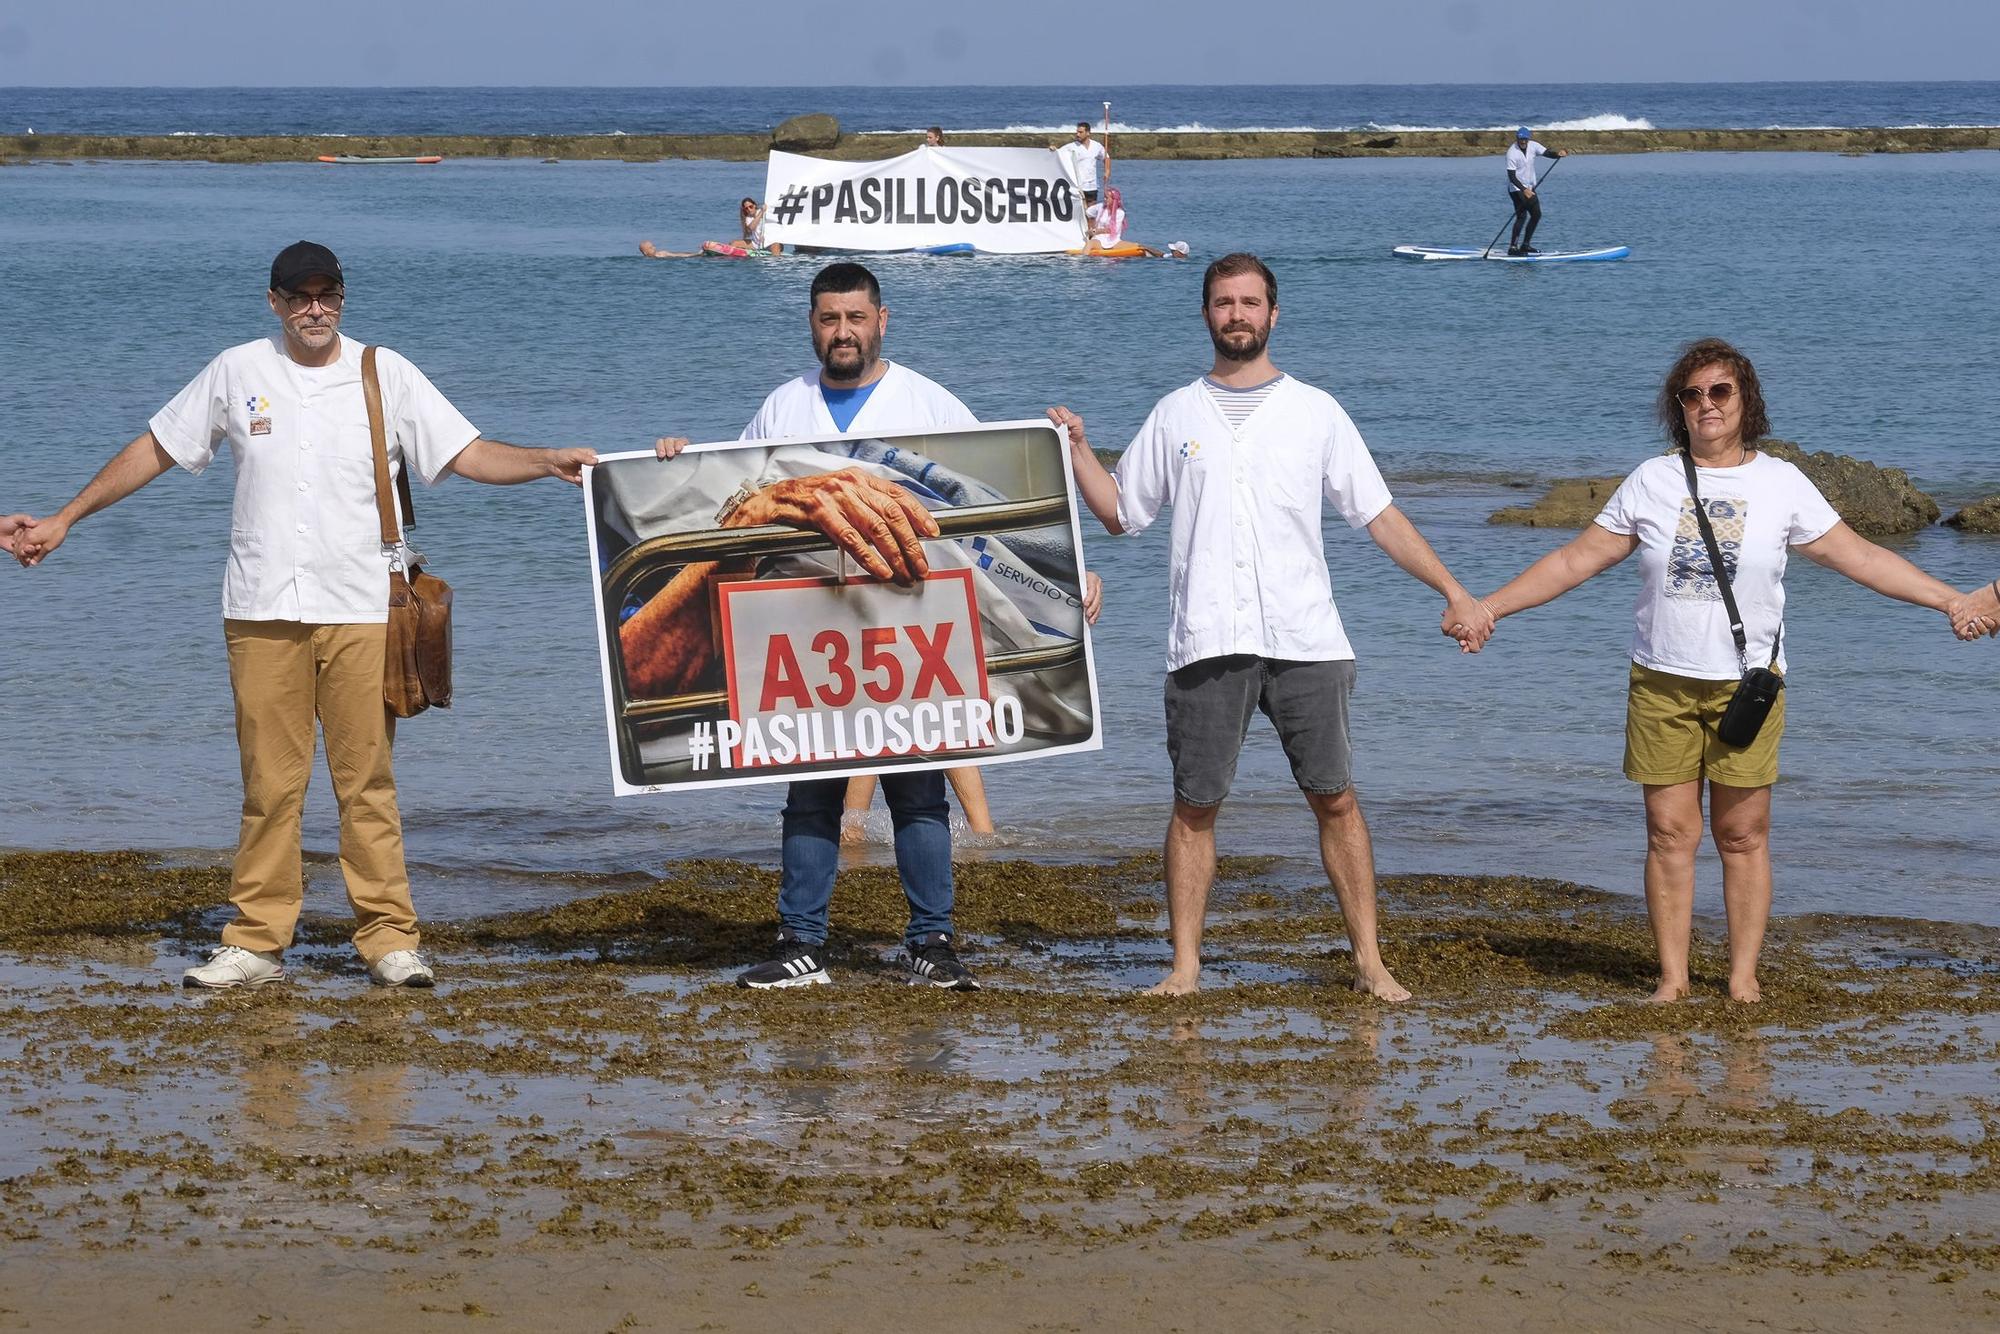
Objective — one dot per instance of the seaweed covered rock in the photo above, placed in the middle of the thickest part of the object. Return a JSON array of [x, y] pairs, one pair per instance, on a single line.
[[1570, 503], [806, 134], [1875, 501], [1982, 516]]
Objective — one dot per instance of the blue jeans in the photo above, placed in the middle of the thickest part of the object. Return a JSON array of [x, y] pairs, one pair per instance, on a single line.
[[811, 851]]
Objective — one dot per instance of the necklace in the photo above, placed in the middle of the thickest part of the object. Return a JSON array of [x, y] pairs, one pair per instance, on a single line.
[[1742, 456]]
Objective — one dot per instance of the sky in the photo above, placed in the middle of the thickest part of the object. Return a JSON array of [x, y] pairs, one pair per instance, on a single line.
[[793, 42]]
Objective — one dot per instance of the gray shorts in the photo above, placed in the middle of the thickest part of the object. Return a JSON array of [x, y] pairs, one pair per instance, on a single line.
[[1209, 704]]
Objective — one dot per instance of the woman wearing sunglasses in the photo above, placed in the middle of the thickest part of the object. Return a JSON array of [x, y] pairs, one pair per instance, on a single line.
[[1687, 661]]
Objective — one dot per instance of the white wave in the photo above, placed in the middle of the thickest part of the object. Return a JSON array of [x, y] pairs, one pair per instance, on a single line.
[[1118, 128], [1608, 121], [218, 134]]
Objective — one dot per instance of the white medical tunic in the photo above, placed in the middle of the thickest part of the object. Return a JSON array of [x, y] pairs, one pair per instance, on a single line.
[[305, 539], [1248, 567]]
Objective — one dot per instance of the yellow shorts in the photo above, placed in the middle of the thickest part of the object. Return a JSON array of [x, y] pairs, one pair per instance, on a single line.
[[1670, 724]]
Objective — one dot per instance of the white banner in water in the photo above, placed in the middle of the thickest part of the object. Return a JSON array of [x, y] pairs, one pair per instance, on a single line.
[[1003, 201]]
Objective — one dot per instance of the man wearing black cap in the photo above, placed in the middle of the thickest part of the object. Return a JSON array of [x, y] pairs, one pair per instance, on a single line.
[[304, 600]]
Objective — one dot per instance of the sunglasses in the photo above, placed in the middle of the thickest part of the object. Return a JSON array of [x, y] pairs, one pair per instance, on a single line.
[[1718, 393]]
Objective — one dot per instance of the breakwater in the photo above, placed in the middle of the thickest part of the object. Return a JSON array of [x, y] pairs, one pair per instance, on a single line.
[[1198, 146]]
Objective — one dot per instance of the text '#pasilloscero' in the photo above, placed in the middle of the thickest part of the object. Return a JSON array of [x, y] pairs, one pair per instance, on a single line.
[[911, 201]]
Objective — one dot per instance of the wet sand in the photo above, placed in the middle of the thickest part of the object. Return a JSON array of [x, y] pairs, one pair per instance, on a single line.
[[585, 1127], [1204, 146]]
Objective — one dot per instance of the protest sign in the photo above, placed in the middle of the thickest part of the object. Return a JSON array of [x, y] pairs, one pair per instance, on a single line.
[[1002, 201], [739, 649]]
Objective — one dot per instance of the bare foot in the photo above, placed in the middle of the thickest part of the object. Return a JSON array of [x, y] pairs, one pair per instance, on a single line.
[[1667, 993], [1379, 984], [1745, 992], [649, 250], [1176, 983]]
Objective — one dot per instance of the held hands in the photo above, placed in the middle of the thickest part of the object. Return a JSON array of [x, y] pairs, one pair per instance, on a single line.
[[1975, 614], [1467, 620], [31, 540]]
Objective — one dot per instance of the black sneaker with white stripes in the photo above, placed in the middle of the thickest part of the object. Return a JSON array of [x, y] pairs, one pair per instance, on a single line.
[[934, 963], [798, 963]]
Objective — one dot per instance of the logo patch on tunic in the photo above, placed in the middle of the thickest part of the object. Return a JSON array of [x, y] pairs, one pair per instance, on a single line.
[[1191, 450], [260, 426], [257, 403]]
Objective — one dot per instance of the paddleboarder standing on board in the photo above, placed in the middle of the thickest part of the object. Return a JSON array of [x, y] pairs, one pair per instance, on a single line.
[[1521, 180], [1086, 161]]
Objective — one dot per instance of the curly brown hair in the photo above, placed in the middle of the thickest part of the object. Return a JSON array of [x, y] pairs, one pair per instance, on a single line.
[[1698, 355]]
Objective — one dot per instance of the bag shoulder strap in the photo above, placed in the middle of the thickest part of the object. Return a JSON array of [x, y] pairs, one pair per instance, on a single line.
[[1721, 572], [371, 391]]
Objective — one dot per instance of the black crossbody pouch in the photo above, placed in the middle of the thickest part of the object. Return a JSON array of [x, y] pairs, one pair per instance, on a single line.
[[1758, 691]]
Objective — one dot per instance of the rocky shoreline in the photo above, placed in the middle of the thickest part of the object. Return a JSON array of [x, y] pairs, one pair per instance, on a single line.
[[586, 1097], [1875, 501], [821, 135]]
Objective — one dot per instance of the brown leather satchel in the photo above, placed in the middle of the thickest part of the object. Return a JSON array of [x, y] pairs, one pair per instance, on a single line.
[[416, 669]]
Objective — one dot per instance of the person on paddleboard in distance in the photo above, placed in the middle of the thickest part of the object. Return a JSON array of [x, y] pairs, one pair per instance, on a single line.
[[750, 219], [1521, 181]]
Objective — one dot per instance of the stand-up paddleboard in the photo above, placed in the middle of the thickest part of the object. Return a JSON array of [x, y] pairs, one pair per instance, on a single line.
[[1500, 253], [350, 160]]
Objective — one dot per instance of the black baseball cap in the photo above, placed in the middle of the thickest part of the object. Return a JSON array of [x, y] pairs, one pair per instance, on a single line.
[[302, 260]]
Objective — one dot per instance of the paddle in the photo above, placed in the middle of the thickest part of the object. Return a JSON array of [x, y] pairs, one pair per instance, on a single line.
[[1510, 217], [1107, 169]]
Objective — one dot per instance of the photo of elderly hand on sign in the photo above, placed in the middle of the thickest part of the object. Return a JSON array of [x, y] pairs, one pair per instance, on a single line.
[[878, 524], [876, 503]]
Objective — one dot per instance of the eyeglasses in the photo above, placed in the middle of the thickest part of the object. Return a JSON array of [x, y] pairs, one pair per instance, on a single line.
[[300, 302], [1718, 393]]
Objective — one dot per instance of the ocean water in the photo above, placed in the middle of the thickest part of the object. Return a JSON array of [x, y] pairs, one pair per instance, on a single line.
[[1555, 107], [1859, 285]]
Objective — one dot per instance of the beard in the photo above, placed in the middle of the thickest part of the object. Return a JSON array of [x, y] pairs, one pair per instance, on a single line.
[[1239, 340], [314, 333], [849, 359]]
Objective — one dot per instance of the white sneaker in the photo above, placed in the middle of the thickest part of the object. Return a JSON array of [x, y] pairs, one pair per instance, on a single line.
[[401, 968], [234, 966]]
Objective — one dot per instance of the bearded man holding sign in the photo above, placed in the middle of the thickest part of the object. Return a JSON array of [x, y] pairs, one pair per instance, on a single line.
[[670, 642]]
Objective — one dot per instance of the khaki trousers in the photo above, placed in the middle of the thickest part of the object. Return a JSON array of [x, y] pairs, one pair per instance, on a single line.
[[286, 673]]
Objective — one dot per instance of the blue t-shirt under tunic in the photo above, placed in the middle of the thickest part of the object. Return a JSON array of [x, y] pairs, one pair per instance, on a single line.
[[844, 405]]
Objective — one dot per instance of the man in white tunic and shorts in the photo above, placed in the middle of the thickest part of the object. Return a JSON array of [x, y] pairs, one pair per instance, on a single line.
[[305, 600], [1245, 455], [1086, 161]]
